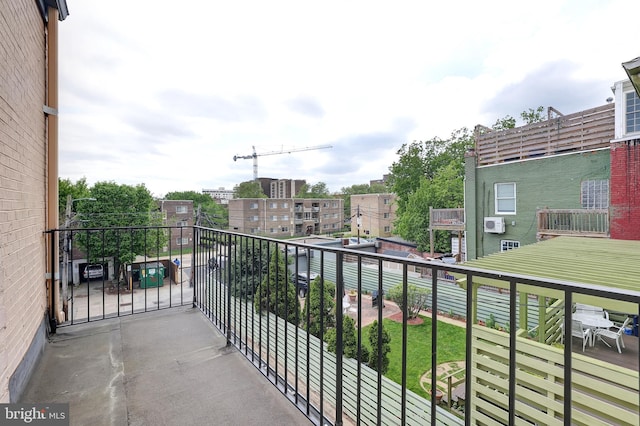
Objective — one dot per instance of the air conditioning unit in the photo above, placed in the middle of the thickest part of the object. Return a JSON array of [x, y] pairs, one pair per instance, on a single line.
[[494, 225]]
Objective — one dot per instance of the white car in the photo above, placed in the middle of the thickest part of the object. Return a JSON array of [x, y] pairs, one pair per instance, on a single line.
[[93, 271]]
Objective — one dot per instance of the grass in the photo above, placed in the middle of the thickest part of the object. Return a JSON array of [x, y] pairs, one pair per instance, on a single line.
[[450, 348]]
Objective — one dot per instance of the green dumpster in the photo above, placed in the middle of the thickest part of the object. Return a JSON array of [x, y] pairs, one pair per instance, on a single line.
[[151, 275]]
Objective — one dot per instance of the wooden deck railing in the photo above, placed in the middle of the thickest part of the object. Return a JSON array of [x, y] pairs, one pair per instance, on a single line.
[[447, 219], [576, 222], [585, 130]]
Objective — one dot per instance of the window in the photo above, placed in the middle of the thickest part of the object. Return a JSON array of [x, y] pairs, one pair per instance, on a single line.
[[386, 215], [273, 205], [285, 229], [509, 245], [325, 204], [181, 209], [285, 205], [505, 198], [325, 226], [386, 201], [253, 205], [285, 217], [334, 205], [273, 230], [594, 194], [274, 218], [253, 219], [387, 229], [181, 223], [632, 112], [254, 230], [182, 241]]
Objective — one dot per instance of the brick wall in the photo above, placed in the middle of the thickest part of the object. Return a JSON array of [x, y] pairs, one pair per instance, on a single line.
[[624, 188], [22, 183]]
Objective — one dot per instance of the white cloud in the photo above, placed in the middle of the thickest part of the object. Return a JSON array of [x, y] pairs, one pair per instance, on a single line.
[[166, 93]]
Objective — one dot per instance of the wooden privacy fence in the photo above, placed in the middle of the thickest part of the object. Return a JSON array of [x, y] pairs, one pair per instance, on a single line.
[[603, 393], [585, 130]]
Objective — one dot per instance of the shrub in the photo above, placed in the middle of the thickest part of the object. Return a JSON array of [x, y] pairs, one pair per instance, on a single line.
[[416, 298], [384, 348], [312, 307]]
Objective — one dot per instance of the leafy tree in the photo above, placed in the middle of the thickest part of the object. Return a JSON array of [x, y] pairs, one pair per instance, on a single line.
[[76, 190], [531, 115], [443, 191], [274, 295], [212, 214], [349, 342], [425, 159], [249, 264], [317, 190], [249, 189], [416, 298], [383, 348], [508, 122], [120, 206], [319, 291]]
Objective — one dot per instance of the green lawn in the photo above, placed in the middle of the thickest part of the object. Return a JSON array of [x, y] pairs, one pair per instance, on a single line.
[[451, 347]]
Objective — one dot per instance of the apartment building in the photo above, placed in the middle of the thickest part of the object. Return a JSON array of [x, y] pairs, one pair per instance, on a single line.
[[373, 214], [281, 188], [178, 214], [286, 217], [221, 195]]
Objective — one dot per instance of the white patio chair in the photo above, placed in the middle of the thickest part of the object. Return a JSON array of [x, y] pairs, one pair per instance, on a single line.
[[577, 330], [614, 333]]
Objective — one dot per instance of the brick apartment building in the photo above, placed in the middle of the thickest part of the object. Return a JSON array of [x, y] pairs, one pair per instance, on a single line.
[[377, 213], [179, 215], [286, 217]]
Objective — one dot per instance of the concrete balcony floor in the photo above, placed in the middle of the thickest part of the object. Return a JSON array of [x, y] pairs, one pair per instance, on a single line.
[[168, 367]]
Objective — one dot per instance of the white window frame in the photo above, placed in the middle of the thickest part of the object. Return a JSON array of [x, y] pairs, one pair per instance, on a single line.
[[387, 229], [504, 198], [274, 218], [285, 229], [285, 205], [181, 209], [594, 194], [386, 201], [385, 215], [273, 205], [182, 241], [253, 206], [631, 112], [506, 245], [182, 223]]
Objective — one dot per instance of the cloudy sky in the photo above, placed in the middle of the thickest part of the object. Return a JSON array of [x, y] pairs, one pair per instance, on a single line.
[[165, 93]]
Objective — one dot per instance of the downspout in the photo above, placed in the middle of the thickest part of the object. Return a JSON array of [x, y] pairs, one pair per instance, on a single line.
[[52, 163]]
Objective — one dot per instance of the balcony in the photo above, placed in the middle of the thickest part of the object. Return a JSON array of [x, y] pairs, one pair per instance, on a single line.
[[211, 358], [574, 222]]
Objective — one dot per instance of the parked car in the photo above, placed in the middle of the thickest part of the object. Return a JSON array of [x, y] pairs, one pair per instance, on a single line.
[[93, 271], [302, 282]]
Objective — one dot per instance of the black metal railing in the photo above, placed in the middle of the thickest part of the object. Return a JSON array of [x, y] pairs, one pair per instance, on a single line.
[[111, 272], [248, 286]]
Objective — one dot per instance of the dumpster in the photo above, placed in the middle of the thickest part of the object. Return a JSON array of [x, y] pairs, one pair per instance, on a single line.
[[151, 275]]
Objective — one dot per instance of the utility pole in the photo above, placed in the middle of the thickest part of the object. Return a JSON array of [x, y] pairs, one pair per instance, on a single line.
[[358, 222]]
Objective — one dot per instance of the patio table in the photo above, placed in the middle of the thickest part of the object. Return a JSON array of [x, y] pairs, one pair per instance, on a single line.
[[593, 322]]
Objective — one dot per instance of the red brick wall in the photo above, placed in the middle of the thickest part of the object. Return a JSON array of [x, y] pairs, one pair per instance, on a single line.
[[625, 190]]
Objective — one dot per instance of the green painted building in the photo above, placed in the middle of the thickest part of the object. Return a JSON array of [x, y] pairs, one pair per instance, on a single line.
[[509, 181]]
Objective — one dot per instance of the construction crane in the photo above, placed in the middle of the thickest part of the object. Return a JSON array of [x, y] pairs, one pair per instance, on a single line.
[[282, 151]]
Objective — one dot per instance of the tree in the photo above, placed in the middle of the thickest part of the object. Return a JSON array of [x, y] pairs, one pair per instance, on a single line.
[[531, 115], [416, 298], [384, 347], [274, 295], [249, 264], [249, 189], [76, 190], [443, 191], [349, 342], [317, 190], [131, 210], [319, 294]]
